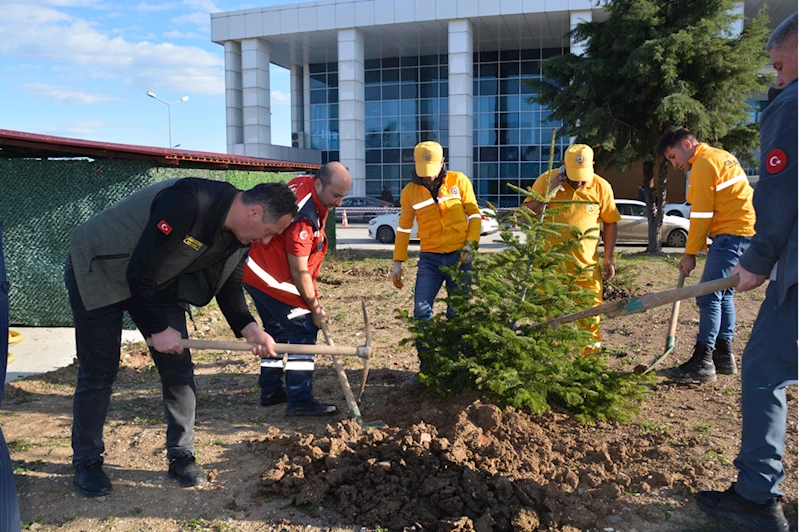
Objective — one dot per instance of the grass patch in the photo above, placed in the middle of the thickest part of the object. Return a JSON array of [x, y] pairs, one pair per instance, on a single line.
[[703, 427], [713, 455], [19, 445], [28, 467], [654, 426]]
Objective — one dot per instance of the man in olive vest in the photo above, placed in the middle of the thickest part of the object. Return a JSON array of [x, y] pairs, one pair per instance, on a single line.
[[172, 244]]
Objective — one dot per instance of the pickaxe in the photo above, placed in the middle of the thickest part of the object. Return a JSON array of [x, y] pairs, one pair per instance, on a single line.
[[365, 352]]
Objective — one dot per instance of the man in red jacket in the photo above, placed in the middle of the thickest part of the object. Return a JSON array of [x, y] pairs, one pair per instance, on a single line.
[[281, 278]]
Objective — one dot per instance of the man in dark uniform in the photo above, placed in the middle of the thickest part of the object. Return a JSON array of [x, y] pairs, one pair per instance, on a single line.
[[769, 361], [172, 244]]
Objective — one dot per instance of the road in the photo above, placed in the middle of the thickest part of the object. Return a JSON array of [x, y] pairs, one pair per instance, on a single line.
[[356, 237]]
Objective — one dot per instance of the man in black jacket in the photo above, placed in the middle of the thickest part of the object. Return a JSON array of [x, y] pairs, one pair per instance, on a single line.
[[173, 244], [769, 364]]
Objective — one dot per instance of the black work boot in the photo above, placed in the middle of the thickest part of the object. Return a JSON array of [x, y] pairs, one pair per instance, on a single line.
[[731, 508], [185, 470], [699, 367], [311, 407], [273, 398], [91, 480], [723, 359]]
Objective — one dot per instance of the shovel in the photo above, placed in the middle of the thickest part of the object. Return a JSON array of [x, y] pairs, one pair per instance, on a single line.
[[675, 311], [634, 305]]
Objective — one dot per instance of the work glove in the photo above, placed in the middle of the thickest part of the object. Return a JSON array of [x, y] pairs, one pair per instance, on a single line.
[[396, 274], [467, 253]]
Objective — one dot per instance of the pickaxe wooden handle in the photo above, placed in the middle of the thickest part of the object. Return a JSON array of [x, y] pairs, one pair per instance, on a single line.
[[361, 351], [355, 412], [634, 305]]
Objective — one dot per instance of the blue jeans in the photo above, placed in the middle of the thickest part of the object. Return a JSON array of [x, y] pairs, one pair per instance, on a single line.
[[98, 338], [717, 310], [287, 325], [429, 279], [9, 506], [769, 364]]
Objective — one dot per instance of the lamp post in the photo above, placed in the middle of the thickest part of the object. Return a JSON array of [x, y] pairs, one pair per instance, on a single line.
[[169, 110]]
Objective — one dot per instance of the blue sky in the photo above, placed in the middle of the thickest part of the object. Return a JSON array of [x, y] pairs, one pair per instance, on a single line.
[[82, 68]]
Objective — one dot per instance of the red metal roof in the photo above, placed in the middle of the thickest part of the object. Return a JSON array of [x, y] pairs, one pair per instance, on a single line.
[[22, 144]]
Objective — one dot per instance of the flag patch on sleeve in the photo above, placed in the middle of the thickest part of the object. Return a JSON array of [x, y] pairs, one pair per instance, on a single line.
[[164, 227]]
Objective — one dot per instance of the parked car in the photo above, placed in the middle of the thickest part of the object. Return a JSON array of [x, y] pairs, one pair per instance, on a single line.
[[361, 208], [678, 209], [634, 227], [384, 228]]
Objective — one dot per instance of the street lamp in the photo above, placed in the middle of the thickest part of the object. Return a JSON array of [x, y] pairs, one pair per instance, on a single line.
[[169, 111]]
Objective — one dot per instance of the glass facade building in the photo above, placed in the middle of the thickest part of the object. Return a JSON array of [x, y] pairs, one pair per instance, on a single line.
[[371, 78], [406, 102]]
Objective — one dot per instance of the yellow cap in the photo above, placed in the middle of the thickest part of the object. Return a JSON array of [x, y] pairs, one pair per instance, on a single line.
[[579, 162], [428, 156]]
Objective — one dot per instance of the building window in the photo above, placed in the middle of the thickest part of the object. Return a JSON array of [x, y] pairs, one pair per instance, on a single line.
[[324, 110], [406, 103], [511, 135]]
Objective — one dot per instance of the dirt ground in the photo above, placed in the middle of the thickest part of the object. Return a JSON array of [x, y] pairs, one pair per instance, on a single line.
[[459, 465]]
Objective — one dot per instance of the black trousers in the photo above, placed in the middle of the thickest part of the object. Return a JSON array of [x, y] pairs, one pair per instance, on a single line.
[[98, 338]]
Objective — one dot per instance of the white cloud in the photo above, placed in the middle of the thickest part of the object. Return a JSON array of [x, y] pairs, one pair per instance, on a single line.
[[199, 18], [82, 128], [166, 6], [69, 3], [280, 98], [202, 5], [57, 39], [67, 94], [175, 34]]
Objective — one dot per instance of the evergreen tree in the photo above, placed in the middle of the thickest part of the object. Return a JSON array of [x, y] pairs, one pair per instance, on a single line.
[[652, 65], [490, 345]]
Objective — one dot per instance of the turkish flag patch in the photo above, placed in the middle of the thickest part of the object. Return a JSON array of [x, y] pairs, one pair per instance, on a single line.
[[164, 227], [776, 161]]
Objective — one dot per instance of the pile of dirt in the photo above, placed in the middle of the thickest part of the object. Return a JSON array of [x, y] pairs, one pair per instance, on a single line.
[[489, 470]]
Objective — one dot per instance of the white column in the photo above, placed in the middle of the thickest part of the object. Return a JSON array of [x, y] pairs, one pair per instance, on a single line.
[[351, 131], [461, 129], [233, 102], [575, 17], [255, 95], [297, 104]]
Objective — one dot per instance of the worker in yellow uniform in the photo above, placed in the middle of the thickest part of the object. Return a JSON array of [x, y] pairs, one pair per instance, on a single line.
[[576, 181], [448, 219], [721, 207]]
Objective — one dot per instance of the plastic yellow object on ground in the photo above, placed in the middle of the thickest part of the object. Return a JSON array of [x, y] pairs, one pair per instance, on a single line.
[[14, 337]]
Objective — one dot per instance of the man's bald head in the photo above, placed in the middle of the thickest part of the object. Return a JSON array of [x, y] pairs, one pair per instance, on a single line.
[[332, 181]]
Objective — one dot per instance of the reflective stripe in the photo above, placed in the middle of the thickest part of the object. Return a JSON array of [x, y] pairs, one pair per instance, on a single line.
[[424, 204], [299, 365], [731, 182], [272, 363], [269, 280], [475, 216], [401, 230], [303, 201], [701, 214], [297, 312], [447, 198]]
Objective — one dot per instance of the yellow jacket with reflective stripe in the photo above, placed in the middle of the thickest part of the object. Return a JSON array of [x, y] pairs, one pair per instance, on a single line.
[[444, 225], [720, 198]]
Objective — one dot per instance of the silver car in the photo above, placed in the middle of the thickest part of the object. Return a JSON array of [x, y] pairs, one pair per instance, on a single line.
[[633, 226]]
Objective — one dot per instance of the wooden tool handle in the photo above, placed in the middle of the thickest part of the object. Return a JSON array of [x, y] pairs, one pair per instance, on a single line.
[[634, 305], [342, 377], [675, 309], [297, 349]]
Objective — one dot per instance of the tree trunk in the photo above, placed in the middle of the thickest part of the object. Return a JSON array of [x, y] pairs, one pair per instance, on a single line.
[[654, 206]]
